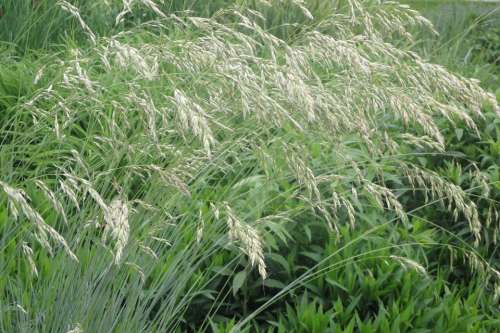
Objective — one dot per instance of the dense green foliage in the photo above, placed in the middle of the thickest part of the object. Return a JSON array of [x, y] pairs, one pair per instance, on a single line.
[[164, 173]]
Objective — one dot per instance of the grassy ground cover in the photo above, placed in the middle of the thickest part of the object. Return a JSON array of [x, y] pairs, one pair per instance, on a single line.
[[247, 166]]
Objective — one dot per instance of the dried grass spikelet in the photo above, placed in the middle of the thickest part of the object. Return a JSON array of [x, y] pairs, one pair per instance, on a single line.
[[76, 75], [70, 189], [117, 226], [76, 329], [200, 227], [301, 5], [127, 8], [38, 75], [138, 269], [193, 118], [305, 176], [298, 93], [170, 178], [74, 11], [53, 199], [478, 264], [153, 6], [18, 203], [326, 49], [410, 263], [96, 196], [28, 253], [20, 308], [438, 187], [250, 241], [351, 212], [386, 198], [422, 142], [306, 179], [146, 104], [127, 56], [149, 251]]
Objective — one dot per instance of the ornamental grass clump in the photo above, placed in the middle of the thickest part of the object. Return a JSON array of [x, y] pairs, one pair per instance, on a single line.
[[146, 144]]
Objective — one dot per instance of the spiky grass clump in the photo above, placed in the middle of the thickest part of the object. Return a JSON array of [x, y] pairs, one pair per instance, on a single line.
[[144, 143]]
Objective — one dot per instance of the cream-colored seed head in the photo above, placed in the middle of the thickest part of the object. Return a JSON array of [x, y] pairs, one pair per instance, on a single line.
[[117, 226]]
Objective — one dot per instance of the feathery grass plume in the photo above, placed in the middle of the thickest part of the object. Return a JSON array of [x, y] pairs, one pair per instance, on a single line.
[[248, 237], [117, 226], [18, 202]]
